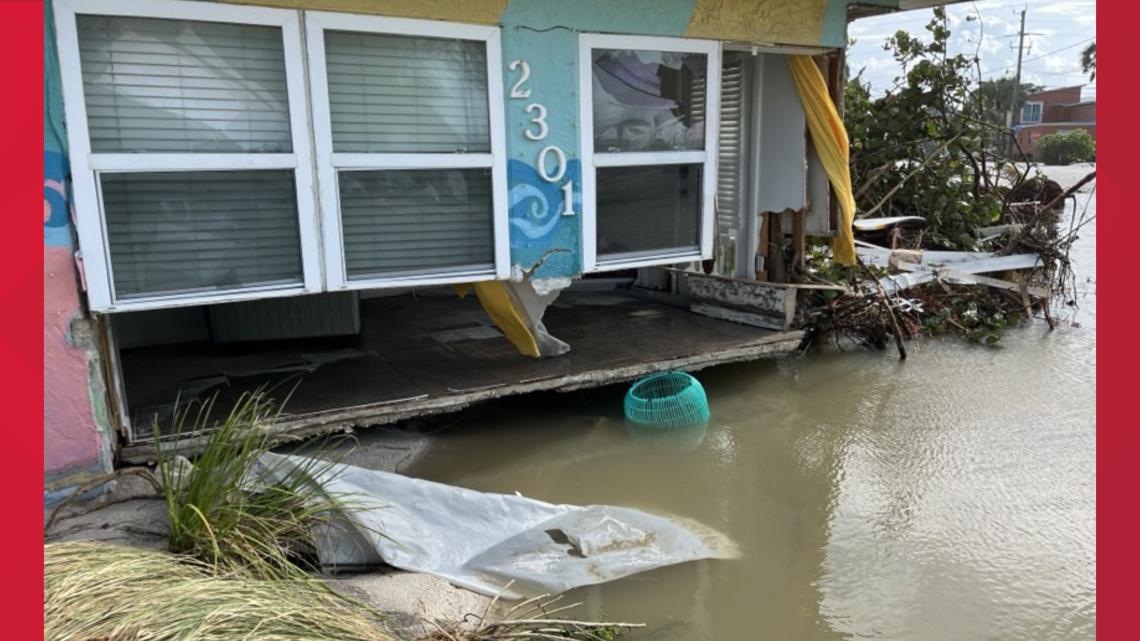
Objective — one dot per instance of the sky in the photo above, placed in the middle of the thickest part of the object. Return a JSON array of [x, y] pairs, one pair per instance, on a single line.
[[1061, 28]]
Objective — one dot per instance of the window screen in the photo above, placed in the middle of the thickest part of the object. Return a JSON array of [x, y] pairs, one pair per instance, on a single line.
[[647, 209], [162, 85], [416, 220], [390, 93], [180, 232]]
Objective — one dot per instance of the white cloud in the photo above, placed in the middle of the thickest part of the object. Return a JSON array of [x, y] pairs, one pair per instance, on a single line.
[[1056, 24]]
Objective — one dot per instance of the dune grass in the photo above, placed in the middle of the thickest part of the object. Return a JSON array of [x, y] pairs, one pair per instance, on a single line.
[[231, 509], [97, 591]]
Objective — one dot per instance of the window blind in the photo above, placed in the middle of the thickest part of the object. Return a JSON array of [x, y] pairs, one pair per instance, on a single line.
[[732, 161], [181, 232], [390, 93], [418, 221], [651, 208], [164, 85]]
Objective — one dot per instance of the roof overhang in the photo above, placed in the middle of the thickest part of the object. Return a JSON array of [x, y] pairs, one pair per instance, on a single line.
[[869, 8]]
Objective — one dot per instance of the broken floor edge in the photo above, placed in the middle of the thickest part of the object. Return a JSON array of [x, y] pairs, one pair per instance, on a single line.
[[295, 428]]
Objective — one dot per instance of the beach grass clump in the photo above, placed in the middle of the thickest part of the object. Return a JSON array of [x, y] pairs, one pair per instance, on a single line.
[[233, 510], [98, 591]]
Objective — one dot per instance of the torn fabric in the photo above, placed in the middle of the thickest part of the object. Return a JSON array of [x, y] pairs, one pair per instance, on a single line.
[[829, 137]]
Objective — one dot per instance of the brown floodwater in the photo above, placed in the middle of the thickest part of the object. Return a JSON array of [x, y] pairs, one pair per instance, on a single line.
[[951, 496]]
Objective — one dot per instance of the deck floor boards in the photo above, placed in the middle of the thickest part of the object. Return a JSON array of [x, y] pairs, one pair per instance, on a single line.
[[432, 348]]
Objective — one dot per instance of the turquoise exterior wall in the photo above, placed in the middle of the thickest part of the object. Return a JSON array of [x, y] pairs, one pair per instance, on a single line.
[[544, 34]]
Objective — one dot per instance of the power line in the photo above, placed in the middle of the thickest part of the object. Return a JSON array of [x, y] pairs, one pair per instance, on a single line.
[[1044, 55]]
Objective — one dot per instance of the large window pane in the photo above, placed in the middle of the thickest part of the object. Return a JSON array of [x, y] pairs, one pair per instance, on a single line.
[[183, 232], [157, 85], [416, 221], [648, 209], [406, 94], [648, 100]]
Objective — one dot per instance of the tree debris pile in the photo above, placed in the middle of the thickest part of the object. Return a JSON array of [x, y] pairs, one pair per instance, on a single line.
[[934, 145], [906, 293]]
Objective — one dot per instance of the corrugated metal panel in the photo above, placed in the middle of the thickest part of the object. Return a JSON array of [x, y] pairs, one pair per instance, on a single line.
[[335, 314]]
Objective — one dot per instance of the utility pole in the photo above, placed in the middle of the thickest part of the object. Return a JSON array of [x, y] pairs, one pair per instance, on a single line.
[[1012, 116]]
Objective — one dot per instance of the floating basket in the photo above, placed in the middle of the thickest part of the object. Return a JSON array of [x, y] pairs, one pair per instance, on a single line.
[[668, 399]]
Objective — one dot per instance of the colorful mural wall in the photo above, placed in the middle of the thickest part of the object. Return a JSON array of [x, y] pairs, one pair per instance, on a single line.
[[74, 403]]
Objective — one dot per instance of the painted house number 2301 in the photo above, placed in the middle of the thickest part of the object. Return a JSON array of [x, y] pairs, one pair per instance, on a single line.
[[537, 130]]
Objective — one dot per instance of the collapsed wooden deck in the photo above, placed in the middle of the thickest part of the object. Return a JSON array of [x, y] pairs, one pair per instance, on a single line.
[[432, 355]]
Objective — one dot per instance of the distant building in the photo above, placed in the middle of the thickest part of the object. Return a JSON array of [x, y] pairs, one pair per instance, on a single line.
[[1053, 110]]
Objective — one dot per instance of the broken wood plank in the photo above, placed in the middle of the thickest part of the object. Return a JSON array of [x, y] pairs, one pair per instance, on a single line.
[[996, 230], [961, 278], [741, 301], [979, 265], [798, 240], [970, 262], [898, 282]]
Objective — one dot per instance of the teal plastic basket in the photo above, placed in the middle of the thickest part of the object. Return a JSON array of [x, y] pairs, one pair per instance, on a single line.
[[667, 399]]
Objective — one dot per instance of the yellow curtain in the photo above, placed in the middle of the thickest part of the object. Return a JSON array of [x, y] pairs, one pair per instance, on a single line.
[[830, 139], [497, 302]]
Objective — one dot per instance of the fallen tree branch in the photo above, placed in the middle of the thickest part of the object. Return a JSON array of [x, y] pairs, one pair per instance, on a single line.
[[886, 304], [1032, 223], [912, 174]]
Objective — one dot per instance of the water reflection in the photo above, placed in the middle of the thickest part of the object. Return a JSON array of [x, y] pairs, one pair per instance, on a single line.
[[948, 497]]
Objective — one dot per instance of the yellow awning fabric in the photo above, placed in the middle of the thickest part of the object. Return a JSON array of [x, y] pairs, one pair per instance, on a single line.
[[497, 302], [830, 139]]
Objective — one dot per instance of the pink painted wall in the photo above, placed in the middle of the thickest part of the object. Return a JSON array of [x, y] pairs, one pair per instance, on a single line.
[[71, 436], [74, 421]]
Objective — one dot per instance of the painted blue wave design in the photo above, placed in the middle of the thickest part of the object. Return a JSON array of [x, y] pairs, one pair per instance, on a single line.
[[536, 205]]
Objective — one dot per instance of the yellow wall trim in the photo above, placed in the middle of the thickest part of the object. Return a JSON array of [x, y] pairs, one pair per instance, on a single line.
[[777, 21], [472, 11]]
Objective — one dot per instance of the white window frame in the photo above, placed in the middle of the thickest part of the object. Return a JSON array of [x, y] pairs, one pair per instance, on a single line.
[[86, 166], [591, 161], [330, 163], [1040, 112]]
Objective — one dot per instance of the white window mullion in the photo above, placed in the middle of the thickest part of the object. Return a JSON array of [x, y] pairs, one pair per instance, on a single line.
[[589, 222], [303, 169], [410, 161], [635, 159], [712, 146], [497, 116], [177, 9], [126, 163], [88, 219], [328, 192]]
